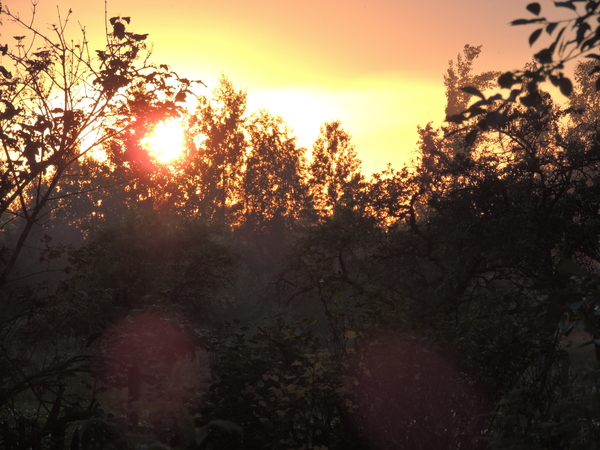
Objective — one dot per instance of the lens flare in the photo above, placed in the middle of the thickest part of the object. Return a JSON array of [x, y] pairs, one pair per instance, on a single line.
[[409, 395], [150, 369], [166, 142]]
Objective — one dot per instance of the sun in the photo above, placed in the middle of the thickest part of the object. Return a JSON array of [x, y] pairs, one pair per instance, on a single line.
[[166, 143]]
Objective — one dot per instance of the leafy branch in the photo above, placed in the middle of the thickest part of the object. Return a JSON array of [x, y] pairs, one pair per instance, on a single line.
[[576, 37]]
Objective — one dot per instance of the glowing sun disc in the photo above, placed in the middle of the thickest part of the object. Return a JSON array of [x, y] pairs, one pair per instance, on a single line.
[[165, 144]]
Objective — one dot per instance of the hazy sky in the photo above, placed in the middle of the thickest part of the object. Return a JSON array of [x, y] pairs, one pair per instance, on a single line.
[[377, 65]]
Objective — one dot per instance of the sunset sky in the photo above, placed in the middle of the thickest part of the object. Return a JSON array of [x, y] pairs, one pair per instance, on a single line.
[[377, 65]]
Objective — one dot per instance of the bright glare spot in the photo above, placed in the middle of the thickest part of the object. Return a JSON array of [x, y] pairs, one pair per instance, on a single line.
[[166, 143], [304, 110]]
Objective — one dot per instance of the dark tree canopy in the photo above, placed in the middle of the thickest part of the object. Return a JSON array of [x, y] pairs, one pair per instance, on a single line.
[[257, 294]]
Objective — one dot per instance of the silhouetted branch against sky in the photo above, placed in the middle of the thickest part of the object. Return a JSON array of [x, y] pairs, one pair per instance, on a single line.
[[376, 66]]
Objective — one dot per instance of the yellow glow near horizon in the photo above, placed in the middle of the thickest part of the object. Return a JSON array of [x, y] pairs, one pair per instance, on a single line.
[[381, 114], [166, 143], [303, 110], [302, 60]]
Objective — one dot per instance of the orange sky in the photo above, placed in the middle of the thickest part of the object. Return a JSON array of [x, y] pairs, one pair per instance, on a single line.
[[376, 65]]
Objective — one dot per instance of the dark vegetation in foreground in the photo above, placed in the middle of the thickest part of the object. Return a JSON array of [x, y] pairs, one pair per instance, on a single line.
[[247, 296]]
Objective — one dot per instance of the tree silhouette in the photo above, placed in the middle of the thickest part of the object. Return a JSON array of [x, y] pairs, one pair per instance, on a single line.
[[63, 110], [335, 177], [217, 148], [62, 104], [460, 74]]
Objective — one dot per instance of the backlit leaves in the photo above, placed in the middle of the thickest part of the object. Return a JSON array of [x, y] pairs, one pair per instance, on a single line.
[[576, 37], [581, 32], [5, 73], [506, 80], [544, 56], [583, 36], [551, 27], [568, 4], [119, 30], [527, 21], [7, 110], [473, 91], [534, 8], [531, 100], [471, 137], [566, 86], [118, 24], [116, 19], [535, 35], [456, 118], [495, 119], [595, 69]]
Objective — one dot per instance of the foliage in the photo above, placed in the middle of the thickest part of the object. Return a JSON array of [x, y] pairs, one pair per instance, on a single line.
[[461, 74], [57, 100], [211, 177], [150, 258], [251, 295], [184, 266], [405, 394], [288, 391], [490, 286], [577, 37], [273, 186], [564, 48], [241, 170], [334, 169], [61, 106]]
